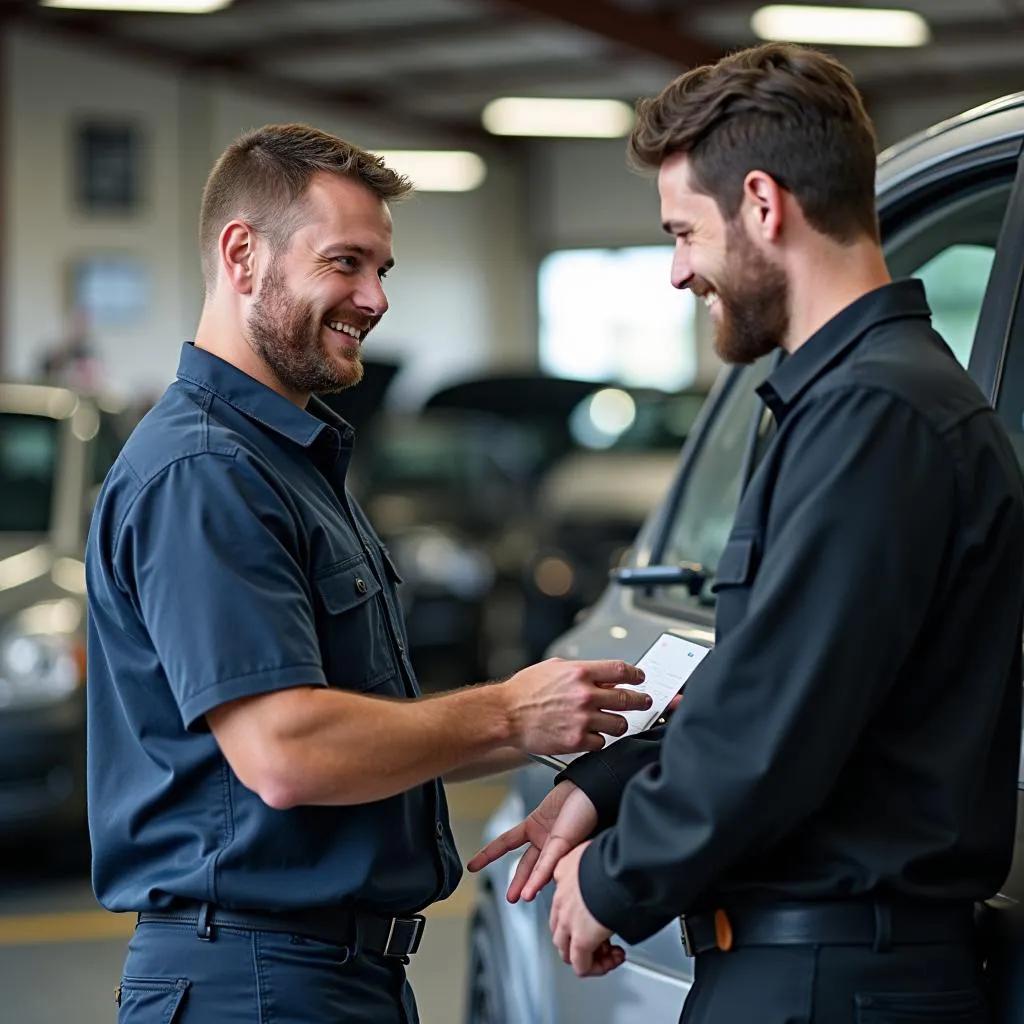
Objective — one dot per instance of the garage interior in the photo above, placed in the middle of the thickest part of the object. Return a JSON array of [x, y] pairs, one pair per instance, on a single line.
[[165, 92]]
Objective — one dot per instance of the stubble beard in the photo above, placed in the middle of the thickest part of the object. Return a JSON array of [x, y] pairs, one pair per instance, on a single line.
[[285, 334], [754, 302]]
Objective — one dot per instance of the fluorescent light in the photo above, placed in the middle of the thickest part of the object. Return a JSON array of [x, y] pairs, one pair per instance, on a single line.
[[840, 26], [437, 170], [592, 119], [146, 6]]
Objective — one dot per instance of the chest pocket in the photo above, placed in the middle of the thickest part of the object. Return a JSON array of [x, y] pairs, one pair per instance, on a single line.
[[737, 564], [737, 567], [352, 627]]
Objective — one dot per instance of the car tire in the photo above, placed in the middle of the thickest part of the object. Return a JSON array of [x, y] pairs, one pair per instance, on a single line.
[[485, 988]]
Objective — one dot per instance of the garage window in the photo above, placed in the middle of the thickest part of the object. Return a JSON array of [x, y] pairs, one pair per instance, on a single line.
[[613, 315]]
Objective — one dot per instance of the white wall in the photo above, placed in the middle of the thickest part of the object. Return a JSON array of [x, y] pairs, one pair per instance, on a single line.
[[43, 231], [460, 296]]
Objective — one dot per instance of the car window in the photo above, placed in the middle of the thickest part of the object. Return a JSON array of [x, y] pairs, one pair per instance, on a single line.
[[28, 457], [951, 248], [704, 516]]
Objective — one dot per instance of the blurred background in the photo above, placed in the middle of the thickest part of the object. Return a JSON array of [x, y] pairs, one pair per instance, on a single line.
[[525, 399]]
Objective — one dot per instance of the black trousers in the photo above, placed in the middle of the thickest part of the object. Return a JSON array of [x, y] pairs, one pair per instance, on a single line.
[[909, 984]]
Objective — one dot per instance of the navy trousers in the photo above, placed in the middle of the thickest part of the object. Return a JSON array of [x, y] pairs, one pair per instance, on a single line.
[[171, 976], [907, 984]]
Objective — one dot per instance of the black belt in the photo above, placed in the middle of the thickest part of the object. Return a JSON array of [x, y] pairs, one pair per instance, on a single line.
[[879, 924], [364, 932]]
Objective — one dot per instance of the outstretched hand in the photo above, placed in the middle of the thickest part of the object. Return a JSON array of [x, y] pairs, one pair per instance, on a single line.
[[558, 824]]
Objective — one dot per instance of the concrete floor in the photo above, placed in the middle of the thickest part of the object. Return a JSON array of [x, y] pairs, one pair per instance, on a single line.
[[61, 954]]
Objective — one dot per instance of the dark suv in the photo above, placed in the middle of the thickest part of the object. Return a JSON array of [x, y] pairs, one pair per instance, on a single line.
[[951, 203]]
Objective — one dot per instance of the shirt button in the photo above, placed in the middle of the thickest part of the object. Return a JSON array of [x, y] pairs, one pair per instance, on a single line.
[[439, 829], [361, 585], [401, 647]]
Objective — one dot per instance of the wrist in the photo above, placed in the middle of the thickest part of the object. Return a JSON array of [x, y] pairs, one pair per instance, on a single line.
[[494, 714]]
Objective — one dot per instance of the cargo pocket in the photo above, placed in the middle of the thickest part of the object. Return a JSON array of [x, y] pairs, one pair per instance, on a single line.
[[964, 1006], [150, 1000]]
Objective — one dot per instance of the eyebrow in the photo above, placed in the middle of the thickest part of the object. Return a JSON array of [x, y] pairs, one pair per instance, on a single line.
[[359, 250]]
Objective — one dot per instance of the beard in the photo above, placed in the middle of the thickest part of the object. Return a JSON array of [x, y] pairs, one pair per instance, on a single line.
[[754, 302], [286, 335]]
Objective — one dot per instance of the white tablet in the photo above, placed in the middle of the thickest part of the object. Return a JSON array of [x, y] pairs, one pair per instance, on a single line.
[[666, 664]]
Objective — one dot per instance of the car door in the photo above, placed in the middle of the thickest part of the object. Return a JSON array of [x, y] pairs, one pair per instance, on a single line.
[[956, 222]]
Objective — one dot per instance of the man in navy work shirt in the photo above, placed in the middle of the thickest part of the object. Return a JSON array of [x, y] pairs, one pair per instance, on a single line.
[[263, 773], [838, 786]]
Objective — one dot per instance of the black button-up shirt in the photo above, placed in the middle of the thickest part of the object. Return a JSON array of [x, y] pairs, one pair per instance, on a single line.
[[226, 559], [856, 728]]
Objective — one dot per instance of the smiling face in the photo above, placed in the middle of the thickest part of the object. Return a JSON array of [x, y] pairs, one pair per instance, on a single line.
[[322, 294], [745, 291]]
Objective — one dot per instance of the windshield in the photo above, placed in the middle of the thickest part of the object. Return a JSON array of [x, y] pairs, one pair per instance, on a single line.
[[28, 459]]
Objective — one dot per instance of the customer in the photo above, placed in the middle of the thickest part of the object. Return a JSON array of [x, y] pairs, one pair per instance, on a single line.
[[838, 785], [263, 772]]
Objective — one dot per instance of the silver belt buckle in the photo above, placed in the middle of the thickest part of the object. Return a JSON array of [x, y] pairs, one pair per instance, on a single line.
[[417, 923], [684, 934]]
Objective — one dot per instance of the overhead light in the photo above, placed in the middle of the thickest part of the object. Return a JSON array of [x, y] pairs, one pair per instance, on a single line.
[[142, 6], [590, 119], [437, 170], [840, 26]]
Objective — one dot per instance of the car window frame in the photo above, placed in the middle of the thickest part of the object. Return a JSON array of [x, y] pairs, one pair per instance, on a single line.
[[999, 322]]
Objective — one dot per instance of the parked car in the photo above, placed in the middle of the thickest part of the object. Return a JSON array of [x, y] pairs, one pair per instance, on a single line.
[[55, 449], [450, 490], [590, 504], [952, 213]]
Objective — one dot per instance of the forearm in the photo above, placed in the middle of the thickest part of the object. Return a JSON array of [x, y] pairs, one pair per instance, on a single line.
[[504, 759], [333, 747]]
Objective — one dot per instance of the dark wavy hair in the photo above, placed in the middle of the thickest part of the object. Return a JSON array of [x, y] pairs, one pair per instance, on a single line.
[[787, 110]]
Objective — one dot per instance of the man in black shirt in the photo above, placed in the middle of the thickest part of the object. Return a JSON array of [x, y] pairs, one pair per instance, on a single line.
[[838, 786]]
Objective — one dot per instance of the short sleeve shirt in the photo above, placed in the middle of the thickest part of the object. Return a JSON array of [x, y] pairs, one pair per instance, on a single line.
[[226, 559]]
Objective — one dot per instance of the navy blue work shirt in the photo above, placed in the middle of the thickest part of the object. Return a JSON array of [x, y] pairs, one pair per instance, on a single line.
[[226, 559]]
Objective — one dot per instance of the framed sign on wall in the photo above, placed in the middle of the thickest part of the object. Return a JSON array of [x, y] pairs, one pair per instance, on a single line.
[[107, 172], [111, 289]]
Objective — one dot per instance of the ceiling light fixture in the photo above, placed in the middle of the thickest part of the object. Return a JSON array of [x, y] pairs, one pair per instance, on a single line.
[[590, 119], [142, 6], [840, 26], [437, 170]]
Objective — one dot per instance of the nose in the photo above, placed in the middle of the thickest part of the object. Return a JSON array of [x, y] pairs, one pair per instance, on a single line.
[[682, 271], [371, 298]]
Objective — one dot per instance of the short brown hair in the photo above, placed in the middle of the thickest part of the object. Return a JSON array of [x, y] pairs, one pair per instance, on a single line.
[[263, 173], [787, 110]]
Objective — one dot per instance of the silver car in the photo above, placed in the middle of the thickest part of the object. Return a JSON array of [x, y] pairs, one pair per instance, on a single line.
[[951, 203], [55, 448]]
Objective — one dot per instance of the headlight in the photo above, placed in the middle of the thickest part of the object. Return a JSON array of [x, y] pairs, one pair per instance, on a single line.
[[41, 661]]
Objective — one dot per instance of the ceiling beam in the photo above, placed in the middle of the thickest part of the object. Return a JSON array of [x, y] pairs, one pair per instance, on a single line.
[[656, 34], [911, 86], [96, 33], [358, 42], [503, 81]]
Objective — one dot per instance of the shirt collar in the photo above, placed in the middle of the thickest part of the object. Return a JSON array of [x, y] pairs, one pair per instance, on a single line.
[[256, 400], [796, 373]]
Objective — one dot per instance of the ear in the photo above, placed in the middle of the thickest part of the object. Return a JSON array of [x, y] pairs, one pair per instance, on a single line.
[[763, 205], [237, 253]]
